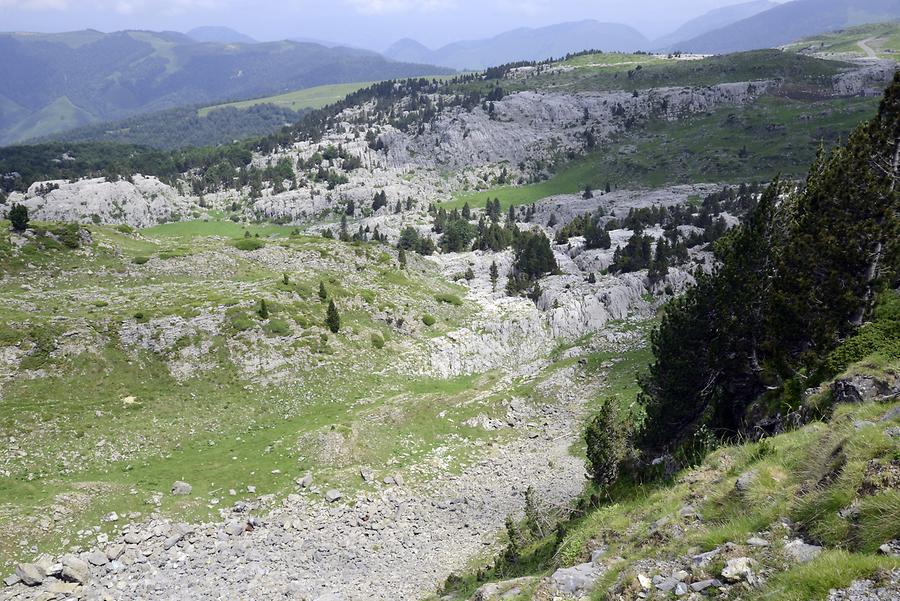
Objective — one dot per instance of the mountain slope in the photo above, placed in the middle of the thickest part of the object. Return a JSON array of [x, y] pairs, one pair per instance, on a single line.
[[713, 20], [219, 35], [112, 76], [523, 44], [792, 21]]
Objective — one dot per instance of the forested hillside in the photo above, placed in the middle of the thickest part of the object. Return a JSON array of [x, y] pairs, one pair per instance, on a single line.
[[53, 82]]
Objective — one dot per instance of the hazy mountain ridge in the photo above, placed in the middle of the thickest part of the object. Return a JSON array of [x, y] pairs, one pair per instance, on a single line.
[[50, 83], [791, 21], [714, 19], [219, 35], [524, 44]]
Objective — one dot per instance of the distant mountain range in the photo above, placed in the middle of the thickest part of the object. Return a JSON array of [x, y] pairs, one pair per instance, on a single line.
[[714, 19], [524, 44], [219, 35], [789, 22], [55, 82]]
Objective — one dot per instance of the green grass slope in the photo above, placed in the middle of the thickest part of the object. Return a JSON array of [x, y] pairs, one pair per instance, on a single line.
[[95, 423], [882, 38], [310, 98]]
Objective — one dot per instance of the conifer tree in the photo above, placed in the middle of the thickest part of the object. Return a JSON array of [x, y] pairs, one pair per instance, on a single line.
[[18, 217], [333, 318], [323, 293], [263, 310]]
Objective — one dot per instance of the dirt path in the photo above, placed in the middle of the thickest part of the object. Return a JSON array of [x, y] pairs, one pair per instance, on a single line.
[[864, 46]]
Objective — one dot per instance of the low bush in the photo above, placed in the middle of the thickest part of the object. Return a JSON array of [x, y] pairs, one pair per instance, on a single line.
[[249, 244], [450, 299], [277, 327]]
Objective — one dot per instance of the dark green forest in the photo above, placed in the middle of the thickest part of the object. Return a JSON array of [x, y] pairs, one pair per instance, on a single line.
[[801, 274]]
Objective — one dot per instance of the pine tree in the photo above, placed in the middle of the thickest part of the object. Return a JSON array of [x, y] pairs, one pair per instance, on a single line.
[[495, 275], [401, 257], [18, 217], [607, 444], [323, 293], [333, 318], [263, 310]]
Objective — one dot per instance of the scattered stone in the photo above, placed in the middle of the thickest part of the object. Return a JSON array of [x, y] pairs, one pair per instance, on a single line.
[[97, 558], [332, 495], [11, 580], [702, 585], [645, 582], [111, 517], [859, 389], [745, 481], [801, 552], [498, 591], [574, 580], [891, 548], [62, 588], [891, 415], [30, 574], [703, 559], [181, 489], [236, 528], [305, 481], [367, 475], [114, 552], [893, 432], [756, 541], [738, 569], [76, 570], [681, 589], [667, 585], [133, 538]]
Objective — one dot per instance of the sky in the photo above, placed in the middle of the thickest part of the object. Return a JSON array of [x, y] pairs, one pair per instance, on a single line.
[[374, 24]]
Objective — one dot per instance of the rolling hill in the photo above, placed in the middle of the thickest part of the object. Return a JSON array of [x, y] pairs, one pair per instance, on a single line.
[[791, 21], [882, 39], [51, 83], [523, 44]]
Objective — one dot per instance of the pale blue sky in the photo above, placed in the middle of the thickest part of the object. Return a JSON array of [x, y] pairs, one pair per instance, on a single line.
[[366, 23]]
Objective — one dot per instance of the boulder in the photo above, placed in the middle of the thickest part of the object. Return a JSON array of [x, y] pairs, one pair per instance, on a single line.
[[745, 481], [30, 574], [575, 580], [738, 569], [702, 585], [801, 552], [76, 570], [181, 489], [860, 388], [333, 495]]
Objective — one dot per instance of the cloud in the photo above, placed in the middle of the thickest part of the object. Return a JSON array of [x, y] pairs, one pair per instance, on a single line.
[[377, 7], [122, 7]]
